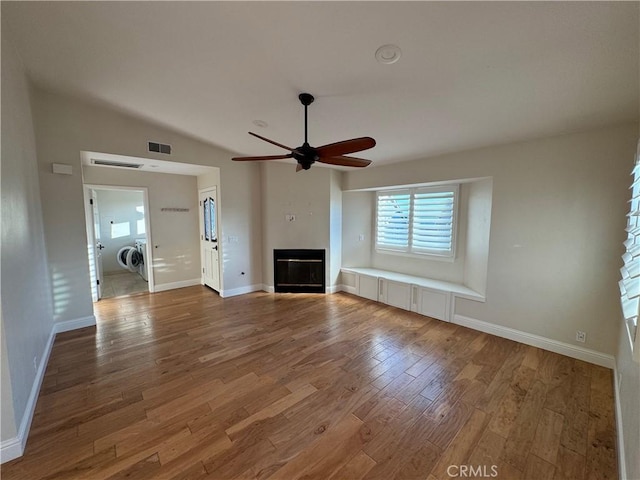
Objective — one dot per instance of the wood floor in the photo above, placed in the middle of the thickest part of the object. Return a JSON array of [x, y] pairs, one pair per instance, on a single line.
[[183, 384]]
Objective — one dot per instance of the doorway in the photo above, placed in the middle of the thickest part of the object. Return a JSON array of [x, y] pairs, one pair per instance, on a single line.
[[209, 247], [118, 234]]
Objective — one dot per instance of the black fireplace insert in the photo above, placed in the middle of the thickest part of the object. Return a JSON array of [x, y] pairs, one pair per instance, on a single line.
[[299, 271]]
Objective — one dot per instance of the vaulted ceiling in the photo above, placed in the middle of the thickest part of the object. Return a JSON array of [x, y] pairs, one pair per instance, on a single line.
[[471, 74]]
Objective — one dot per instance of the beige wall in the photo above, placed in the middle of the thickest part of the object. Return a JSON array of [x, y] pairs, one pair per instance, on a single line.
[[307, 195], [176, 234], [357, 218], [27, 316], [65, 127], [557, 227]]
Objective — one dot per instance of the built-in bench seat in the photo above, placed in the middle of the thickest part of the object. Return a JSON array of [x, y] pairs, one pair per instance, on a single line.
[[427, 296]]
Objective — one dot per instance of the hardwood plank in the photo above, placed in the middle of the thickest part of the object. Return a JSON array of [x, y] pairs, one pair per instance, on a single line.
[[459, 451], [307, 386], [355, 469], [538, 469], [547, 437], [521, 436]]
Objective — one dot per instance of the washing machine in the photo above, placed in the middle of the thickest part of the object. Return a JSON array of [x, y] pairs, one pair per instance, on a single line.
[[141, 247]]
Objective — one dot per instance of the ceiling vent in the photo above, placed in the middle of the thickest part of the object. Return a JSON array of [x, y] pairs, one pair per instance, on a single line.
[[159, 148], [108, 163]]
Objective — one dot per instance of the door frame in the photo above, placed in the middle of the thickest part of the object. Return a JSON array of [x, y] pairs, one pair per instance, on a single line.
[[219, 231], [91, 244]]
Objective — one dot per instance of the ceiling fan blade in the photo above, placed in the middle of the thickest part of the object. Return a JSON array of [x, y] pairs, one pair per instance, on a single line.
[[345, 161], [266, 157], [271, 141], [346, 146]]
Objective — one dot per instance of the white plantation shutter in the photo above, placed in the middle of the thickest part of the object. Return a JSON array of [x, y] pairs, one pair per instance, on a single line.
[[417, 220], [433, 221], [630, 282], [392, 220]]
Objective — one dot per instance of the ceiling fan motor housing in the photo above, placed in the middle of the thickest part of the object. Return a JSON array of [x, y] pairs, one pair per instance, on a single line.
[[306, 155]]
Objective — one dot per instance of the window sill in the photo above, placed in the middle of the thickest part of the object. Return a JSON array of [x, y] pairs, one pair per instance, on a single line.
[[422, 256]]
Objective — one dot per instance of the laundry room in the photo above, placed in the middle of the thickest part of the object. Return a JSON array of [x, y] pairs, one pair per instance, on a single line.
[[120, 218]]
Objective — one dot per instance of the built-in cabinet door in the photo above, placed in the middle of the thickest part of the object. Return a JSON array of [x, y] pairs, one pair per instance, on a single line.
[[431, 303], [396, 294], [367, 287]]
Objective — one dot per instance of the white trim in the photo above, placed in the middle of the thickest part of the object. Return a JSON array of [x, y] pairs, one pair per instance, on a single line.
[[14, 447], [348, 289], [562, 348], [162, 287], [622, 462], [74, 324], [333, 289], [148, 258], [11, 449], [241, 290]]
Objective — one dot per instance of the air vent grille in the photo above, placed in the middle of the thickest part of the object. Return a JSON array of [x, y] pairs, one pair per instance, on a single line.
[[160, 148], [109, 163]]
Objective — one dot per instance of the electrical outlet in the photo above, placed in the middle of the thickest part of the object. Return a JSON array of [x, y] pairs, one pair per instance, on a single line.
[[581, 336], [361, 237], [290, 217]]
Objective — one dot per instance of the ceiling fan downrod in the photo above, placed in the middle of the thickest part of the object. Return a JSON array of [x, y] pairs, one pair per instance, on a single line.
[[306, 99]]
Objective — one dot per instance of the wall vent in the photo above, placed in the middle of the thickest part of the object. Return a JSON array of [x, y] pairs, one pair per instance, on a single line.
[[109, 163], [160, 148]]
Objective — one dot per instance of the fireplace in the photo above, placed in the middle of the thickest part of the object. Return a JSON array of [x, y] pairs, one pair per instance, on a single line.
[[299, 271]]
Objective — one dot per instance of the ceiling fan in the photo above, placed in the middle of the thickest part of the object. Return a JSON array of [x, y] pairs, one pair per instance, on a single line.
[[306, 155]]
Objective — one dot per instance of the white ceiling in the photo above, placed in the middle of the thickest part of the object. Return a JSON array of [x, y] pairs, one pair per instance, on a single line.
[[471, 74]]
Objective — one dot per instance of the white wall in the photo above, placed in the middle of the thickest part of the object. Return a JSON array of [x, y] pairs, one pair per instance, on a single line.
[[176, 234], [119, 215], [557, 227], [27, 313], [66, 126]]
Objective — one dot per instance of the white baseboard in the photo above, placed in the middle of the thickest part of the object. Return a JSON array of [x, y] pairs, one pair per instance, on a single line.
[[241, 290], [562, 348], [11, 449], [622, 461], [268, 288], [75, 324], [162, 287], [14, 447]]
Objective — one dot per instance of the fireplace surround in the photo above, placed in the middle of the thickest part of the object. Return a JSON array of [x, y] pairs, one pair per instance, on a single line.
[[299, 270]]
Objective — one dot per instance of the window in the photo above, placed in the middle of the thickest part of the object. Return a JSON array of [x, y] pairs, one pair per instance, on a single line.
[[630, 282], [417, 221]]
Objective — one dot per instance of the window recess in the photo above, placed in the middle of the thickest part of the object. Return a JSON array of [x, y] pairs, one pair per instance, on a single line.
[[420, 221]]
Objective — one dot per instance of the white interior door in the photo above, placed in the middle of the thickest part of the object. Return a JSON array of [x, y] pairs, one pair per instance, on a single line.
[[97, 245], [209, 238]]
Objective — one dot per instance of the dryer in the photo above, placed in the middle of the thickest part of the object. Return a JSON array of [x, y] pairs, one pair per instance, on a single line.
[[141, 247]]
